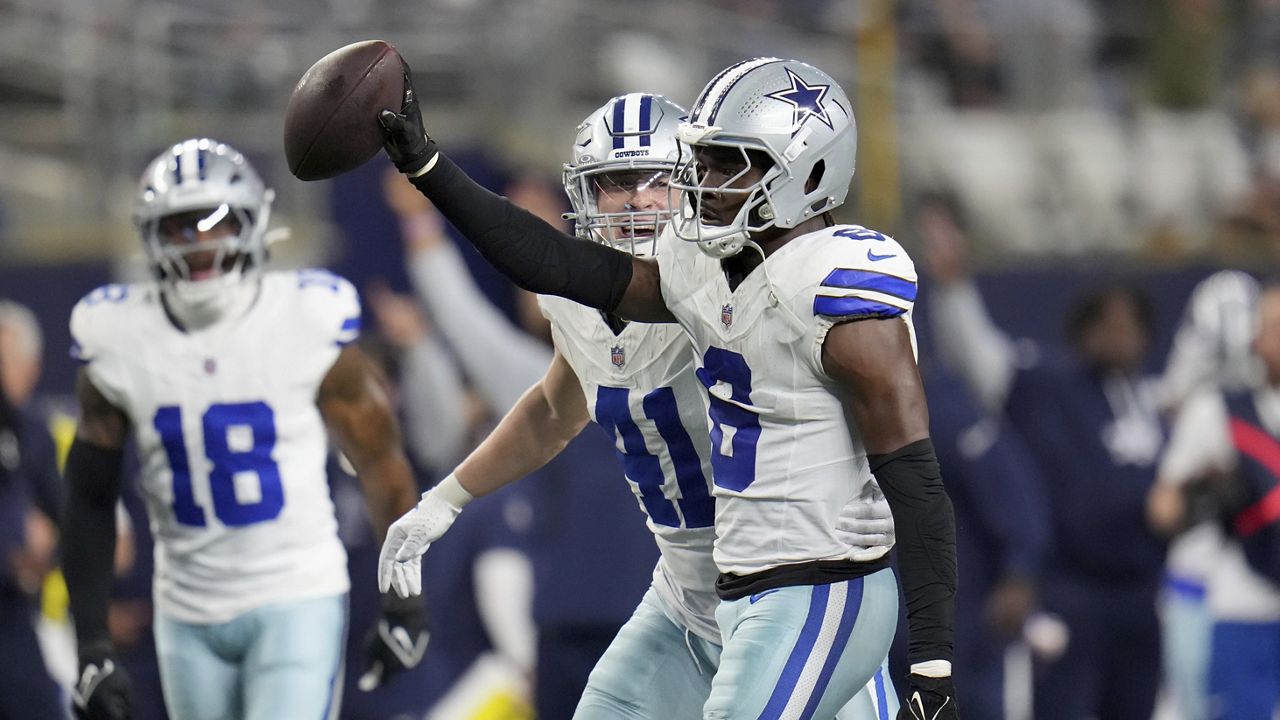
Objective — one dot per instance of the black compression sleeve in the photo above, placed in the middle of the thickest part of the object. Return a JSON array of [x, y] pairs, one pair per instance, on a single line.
[[926, 544], [536, 256], [89, 536]]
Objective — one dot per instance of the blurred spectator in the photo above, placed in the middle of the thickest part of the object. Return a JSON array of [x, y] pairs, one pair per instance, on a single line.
[[30, 498], [1190, 163], [1090, 421], [26, 552], [1220, 467], [21, 365], [578, 537], [1211, 351], [999, 553], [427, 388]]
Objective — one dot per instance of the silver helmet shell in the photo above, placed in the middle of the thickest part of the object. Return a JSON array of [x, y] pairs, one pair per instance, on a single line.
[[202, 174], [787, 110], [1213, 346], [630, 139]]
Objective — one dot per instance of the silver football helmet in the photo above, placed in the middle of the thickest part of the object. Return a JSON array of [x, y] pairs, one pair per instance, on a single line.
[[203, 212], [787, 111], [621, 163], [1213, 346]]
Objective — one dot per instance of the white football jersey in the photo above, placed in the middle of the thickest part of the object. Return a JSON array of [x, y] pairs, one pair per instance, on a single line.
[[641, 387], [231, 443], [786, 462]]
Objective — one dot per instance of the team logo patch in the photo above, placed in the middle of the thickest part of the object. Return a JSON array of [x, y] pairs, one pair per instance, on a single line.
[[618, 355], [726, 315], [805, 100]]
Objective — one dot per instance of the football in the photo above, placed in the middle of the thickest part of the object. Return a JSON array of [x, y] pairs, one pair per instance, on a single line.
[[331, 124]]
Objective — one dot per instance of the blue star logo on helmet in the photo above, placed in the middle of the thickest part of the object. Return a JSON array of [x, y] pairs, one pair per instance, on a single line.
[[805, 100]]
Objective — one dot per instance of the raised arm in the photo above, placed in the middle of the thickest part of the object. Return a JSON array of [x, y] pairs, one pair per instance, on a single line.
[[536, 256], [501, 359], [966, 336], [93, 474], [873, 363], [547, 417]]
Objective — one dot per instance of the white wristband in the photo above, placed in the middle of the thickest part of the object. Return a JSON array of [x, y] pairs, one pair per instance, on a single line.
[[451, 492], [932, 668], [426, 168]]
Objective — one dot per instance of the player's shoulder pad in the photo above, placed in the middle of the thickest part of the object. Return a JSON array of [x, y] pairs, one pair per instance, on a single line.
[[329, 302], [859, 273], [99, 318]]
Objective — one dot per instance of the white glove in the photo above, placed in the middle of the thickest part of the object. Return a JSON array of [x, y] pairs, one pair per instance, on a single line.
[[866, 522], [400, 563]]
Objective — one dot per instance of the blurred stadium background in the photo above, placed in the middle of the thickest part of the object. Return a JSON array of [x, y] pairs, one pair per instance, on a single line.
[[1067, 141]]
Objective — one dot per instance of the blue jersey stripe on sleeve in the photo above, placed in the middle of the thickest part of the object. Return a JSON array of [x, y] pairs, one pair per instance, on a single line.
[[849, 279], [853, 306], [351, 323]]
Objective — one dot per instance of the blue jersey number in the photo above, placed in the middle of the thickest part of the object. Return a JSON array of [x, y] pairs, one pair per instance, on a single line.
[[613, 412], [112, 293], [735, 430], [859, 234], [219, 421]]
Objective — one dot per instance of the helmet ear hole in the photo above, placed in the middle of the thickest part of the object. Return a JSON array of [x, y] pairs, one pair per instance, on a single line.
[[815, 176]]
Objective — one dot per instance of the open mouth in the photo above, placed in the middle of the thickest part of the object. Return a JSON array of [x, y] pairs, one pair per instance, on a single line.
[[637, 231]]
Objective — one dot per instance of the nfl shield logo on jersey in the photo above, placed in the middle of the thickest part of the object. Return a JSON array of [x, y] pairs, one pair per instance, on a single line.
[[726, 315], [618, 355]]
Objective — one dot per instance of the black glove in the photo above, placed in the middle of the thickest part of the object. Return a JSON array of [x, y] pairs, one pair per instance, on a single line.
[[929, 698], [395, 643], [406, 140], [103, 690]]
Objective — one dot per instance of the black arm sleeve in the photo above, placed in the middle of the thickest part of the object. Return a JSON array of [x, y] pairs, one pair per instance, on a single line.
[[926, 544], [89, 536], [536, 256]]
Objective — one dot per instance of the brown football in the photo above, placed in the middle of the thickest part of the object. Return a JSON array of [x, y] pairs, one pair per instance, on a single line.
[[331, 125]]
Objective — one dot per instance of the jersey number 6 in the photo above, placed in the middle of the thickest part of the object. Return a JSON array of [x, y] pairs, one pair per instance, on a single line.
[[735, 428], [253, 427]]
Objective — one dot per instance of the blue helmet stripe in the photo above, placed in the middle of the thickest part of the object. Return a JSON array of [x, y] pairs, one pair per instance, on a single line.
[[646, 130], [697, 107], [619, 122], [725, 92]]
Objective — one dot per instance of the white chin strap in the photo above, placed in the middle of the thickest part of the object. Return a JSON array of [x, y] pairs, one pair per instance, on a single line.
[[198, 304]]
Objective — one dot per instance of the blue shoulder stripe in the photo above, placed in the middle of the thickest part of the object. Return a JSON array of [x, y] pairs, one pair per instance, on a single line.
[[351, 323], [853, 306], [849, 279]]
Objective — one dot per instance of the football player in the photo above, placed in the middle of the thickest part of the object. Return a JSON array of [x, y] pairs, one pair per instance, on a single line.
[[639, 382], [804, 345], [226, 376], [1220, 467]]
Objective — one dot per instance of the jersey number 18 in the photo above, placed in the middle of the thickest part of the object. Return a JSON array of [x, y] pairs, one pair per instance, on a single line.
[[218, 424]]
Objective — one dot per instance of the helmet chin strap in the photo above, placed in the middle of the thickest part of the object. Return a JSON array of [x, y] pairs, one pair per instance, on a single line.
[[198, 304]]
